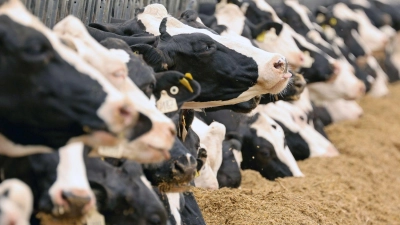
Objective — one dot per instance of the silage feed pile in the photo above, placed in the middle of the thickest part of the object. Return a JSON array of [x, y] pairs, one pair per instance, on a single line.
[[361, 186]]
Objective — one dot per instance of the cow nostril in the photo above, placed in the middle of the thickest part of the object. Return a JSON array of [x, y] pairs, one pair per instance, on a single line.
[[179, 167], [279, 65], [125, 111], [76, 200]]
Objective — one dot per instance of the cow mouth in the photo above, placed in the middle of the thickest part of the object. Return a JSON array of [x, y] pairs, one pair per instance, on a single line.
[[174, 187], [280, 86], [54, 219]]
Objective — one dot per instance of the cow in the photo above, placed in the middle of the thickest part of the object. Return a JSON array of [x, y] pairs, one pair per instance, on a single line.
[[229, 174], [95, 104], [265, 72], [345, 86], [375, 39], [123, 193], [16, 202], [271, 40], [161, 127], [211, 138], [303, 140], [342, 110], [181, 87], [57, 179], [263, 144]]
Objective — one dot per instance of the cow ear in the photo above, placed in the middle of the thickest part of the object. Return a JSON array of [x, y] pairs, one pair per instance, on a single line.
[[264, 26], [163, 30], [104, 27], [153, 56]]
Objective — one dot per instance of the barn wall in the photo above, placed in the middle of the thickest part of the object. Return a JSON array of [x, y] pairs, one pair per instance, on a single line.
[[52, 11]]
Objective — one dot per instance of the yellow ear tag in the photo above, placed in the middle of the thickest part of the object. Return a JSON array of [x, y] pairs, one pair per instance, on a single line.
[[186, 84], [189, 76], [166, 104], [333, 21], [197, 174], [261, 36], [95, 218]]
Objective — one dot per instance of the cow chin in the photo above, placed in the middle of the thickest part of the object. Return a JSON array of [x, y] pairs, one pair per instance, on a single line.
[[279, 86]]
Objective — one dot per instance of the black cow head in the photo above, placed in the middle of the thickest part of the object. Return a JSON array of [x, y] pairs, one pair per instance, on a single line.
[[229, 174], [123, 193], [259, 153]]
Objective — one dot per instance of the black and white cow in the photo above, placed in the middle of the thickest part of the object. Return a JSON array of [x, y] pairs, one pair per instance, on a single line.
[[123, 193], [161, 130], [229, 174], [201, 52], [211, 137], [263, 143]]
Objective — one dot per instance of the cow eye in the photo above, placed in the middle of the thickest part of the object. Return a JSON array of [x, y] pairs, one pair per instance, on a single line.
[[36, 51], [274, 126]]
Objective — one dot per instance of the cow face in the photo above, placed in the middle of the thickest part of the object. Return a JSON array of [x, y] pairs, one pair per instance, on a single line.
[[229, 173], [16, 201], [79, 99], [123, 193], [201, 52], [345, 85], [342, 110], [303, 140], [58, 181], [375, 39], [321, 67], [263, 145], [161, 126]]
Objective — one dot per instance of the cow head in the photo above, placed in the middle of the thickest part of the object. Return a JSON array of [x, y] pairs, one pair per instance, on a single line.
[[248, 70], [123, 194]]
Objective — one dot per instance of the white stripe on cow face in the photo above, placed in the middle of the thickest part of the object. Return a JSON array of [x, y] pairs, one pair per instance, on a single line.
[[372, 36], [71, 176], [268, 129], [174, 205], [231, 16], [114, 100], [264, 6], [302, 11]]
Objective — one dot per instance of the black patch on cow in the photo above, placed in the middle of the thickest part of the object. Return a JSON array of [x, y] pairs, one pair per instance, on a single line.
[[48, 106], [191, 213], [223, 73], [297, 145], [122, 196], [229, 174]]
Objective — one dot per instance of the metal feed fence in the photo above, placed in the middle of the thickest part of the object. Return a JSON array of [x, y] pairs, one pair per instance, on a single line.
[[101, 11]]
